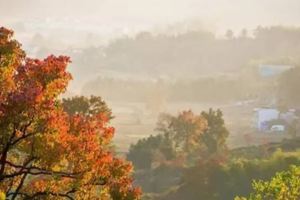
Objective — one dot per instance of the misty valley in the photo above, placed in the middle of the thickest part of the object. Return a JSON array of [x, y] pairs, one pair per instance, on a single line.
[[98, 102]]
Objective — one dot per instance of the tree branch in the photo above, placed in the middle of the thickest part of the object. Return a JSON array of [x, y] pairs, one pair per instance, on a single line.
[[32, 170], [45, 193]]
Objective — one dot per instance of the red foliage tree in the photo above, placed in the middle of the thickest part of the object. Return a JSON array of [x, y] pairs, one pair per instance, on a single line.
[[46, 153]]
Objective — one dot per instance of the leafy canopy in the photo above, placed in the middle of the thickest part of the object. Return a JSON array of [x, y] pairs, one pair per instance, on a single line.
[[45, 152], [284, 185]]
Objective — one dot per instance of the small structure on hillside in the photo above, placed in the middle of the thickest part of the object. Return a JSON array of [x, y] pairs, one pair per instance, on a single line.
[[272, 120], [265, 115]]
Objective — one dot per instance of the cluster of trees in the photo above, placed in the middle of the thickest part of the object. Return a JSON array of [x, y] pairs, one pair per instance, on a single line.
[[212, 181], [265, 151], [182, 142], [189, 159], [182, 139], [49, 148]]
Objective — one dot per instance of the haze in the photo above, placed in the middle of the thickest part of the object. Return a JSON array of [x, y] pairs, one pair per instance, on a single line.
[[203, 96], [110, 18]]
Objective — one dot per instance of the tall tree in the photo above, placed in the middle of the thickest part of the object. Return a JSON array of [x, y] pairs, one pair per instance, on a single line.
[[216, 133], [183, 130], [46, 153]]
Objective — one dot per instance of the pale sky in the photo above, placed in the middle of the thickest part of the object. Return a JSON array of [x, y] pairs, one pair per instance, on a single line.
[[109, 18]]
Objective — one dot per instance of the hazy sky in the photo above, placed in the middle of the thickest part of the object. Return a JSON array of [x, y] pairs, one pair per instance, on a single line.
[[59, 24], [109, 18]]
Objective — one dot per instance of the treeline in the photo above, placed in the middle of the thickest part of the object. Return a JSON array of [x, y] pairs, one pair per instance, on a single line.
[[190, 54], [192, 66], [213, 182]]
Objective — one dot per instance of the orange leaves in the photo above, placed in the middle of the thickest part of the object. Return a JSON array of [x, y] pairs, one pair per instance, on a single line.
[[46, 152], [49, 74]]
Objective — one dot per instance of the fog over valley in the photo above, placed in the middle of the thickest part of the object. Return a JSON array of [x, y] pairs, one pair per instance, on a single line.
[[150, 99]]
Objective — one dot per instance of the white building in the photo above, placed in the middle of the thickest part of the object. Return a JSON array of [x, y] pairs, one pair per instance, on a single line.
[[264, 115]]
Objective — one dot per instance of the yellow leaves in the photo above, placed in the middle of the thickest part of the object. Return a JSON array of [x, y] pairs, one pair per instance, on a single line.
[[56, 168], [2, 196], [6, 81], [240, 198]]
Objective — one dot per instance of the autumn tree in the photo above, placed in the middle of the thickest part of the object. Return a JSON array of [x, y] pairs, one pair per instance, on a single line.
[[47, 153], [178, 136], [183, 130], [197, 134], [187, 136]]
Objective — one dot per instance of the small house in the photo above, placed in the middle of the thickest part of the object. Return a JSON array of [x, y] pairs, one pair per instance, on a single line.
[[265, 115]]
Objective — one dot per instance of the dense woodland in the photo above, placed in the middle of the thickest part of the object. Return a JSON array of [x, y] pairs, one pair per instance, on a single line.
[[207, 169]]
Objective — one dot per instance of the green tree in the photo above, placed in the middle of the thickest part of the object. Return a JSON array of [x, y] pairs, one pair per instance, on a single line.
[[283, 186], [210, 180], [86, 105], [216, 133], [142, 154]]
